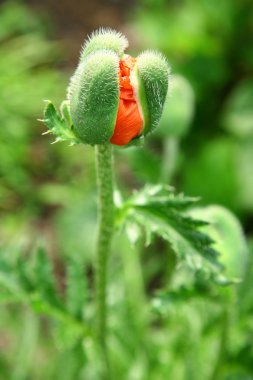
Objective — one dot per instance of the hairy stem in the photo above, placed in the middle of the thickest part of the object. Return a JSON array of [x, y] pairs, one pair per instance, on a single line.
[[105, 231]]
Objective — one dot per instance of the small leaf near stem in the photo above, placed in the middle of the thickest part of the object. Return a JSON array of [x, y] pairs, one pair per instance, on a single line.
[[105, 231]]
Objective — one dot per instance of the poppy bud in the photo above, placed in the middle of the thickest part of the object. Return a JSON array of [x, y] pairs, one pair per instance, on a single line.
[[113, 97]]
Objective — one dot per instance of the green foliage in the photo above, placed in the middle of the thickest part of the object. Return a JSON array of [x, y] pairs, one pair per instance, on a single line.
[[230, 161], [178, 109], [218, 159], [208, 43], [18, 20], [59, 125], [75, 287], [44, 280], [167, 320], [238, 116], [32, 283], [163, 213], [229, 239], [26, 77]]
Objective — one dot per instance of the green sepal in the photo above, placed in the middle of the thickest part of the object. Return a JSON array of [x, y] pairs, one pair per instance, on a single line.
[[152, 71], [93, 96], [59, 125], [104, 39]]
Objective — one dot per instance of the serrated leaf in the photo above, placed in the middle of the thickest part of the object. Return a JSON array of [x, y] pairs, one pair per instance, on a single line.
[[34, 286], [23, 274], [76, 287], [70, 362], [163, 195], [229, 238], [26, 346], [44, 279], [160, 211], [165, 299], [7, 279], [67, 335]]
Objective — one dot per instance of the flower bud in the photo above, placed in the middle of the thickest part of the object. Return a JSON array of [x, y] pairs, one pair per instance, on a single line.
[[113, 97], [94, 96]]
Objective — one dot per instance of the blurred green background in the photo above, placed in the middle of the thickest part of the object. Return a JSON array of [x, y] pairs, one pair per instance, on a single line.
[[203, 147]]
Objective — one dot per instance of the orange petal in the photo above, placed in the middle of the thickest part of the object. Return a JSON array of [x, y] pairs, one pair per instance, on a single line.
[[129, 123]]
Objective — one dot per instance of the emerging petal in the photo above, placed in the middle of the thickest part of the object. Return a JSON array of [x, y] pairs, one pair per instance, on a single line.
[[129, 122]]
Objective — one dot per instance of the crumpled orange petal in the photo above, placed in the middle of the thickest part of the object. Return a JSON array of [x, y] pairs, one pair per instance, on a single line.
[[129, 123]]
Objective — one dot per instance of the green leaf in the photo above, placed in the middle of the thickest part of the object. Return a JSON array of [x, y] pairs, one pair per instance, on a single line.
[[24, 275], [238, 113], [218, 160], [7, 297], [76, 287], [67, 334], [65, 112], [26, 347], [8, 281], [33, 284], [70, 362], [59, 125], [178, 109], [44, 279], [164, 300], [229, 238], [160, 211]]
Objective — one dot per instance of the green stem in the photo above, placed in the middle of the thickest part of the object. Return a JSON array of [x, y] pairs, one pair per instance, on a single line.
[[170, 153], [105, 231]]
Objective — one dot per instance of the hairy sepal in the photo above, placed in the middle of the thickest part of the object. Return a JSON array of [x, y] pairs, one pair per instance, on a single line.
[[104, 39], [152, 71], [93, 96]]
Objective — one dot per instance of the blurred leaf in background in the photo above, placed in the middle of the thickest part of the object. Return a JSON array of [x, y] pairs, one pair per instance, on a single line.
[[210, 44], [32, 174], [26, 77], [35, 181]]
